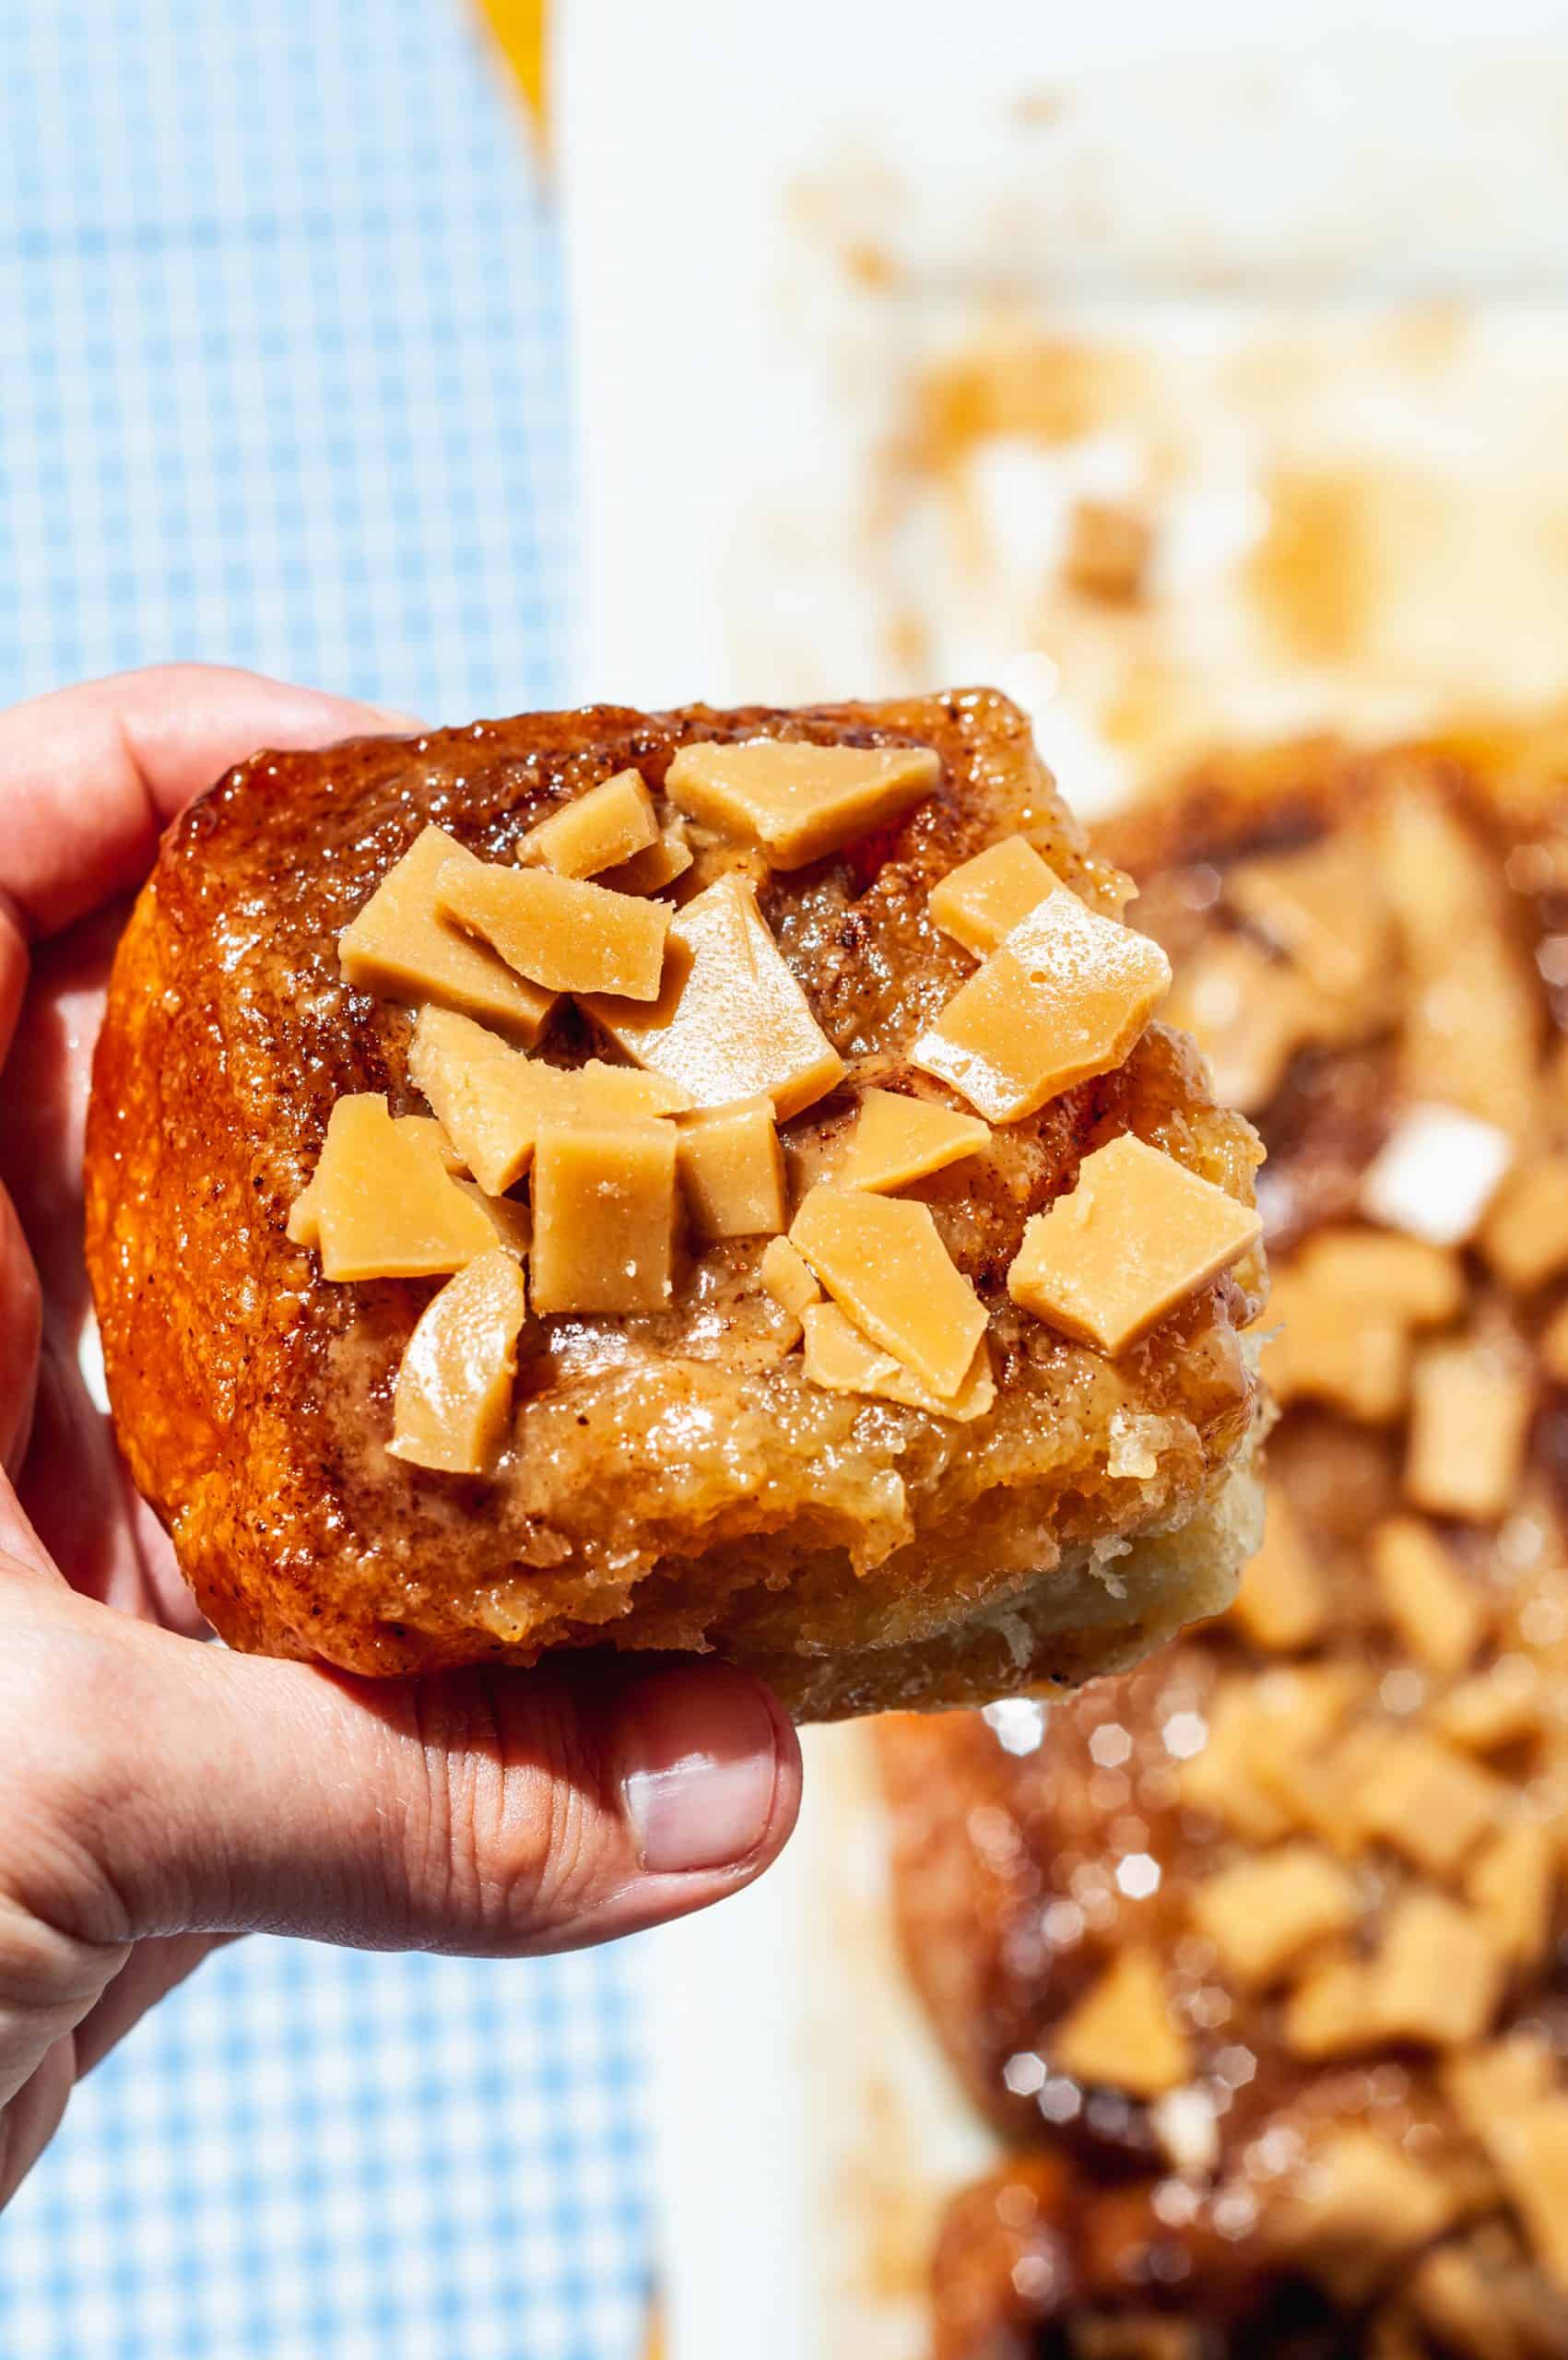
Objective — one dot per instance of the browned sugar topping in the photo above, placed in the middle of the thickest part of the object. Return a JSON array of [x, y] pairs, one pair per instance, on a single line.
[[713, 1047]]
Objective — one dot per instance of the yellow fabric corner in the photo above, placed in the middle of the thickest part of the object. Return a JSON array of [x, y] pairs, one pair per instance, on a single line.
[[519, 26]]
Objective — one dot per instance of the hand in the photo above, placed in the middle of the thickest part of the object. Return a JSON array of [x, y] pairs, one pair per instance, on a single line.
[[162, 1794]]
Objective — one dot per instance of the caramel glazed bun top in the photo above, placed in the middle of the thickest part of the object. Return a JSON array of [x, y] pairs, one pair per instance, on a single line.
[[670, 1478], [1257, 1956]]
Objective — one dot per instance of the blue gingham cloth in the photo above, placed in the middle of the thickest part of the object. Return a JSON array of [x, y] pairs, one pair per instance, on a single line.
[[281, 384]]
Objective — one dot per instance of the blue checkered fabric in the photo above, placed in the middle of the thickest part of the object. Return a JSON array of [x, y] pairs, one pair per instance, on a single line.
[[281, 384]]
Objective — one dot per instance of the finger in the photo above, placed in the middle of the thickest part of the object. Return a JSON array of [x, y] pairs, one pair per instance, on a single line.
[[32, 2113], [21, 1325], [44, 2066], [72, 1481], [21, 1551], [91, 775], [13, 968], [162, 1593], [487, 1811], [69, 1475], [48, 1071], [152, 1971], [75, 1491]]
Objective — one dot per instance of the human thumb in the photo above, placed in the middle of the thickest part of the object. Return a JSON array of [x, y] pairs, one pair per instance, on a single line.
[[173, 1788]]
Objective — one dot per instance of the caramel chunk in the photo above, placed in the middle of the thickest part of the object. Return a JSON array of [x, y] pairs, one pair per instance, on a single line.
[[841, 1359], [1332, 2011], [1499, 1707], [1453, 2295], [732, 1171], [1137, 1236], [384, 1204], [1525, 1236], [1356, 2204], [1109, 547], [1316, 1784], [980, 901], [1262, 1914], [403, 949], [1436, 1173], [1322, 1348], [897, 1139], [1415, 1282], [1325, 907], [1249, 1014], [452, 1404], [1283, 1600], [1298, 1711], [604, 1216], [1531, 2149], [609, 824], [650, 871], [1486, 2085], [1065, 997], [491, 1100], [1470, 1031], [1343, 1310], [1219, 1777], [798, 802], [885, 1265], [561, 932], [1121, 2034], [1513, 1884], [1471, 1405], [511, 1223], [1439, 1972], [787, 1277], [1309, 1701], [1317, 1779], [426, 1126], [305, 1223], [731, 1019], [1427, 1801], [1437, 1612]]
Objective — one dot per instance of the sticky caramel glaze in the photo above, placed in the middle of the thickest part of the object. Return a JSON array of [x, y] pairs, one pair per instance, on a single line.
[[1337, 1106], [673, 1479], [1088, 2240], [987, 1842], [1020, 2252], [1009, 1909]]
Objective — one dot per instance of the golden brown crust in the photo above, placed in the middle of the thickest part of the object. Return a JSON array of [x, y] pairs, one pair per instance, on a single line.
[[1030, 1859], [674, 1482]]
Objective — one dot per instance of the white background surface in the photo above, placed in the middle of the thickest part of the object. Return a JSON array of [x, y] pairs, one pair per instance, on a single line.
[[685, 127]]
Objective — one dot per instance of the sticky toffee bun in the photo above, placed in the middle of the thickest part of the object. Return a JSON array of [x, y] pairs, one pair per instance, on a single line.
[[1257, 1956], [699, 1180]]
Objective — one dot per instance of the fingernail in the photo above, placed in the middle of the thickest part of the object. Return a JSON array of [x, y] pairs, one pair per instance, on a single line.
[[403, 723], [699, 1764]]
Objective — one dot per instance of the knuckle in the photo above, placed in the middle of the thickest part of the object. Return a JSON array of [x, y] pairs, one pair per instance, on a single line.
[[63, 1696], [580, 1849], [513, 1842], [30, 2120], [64, 1928]]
